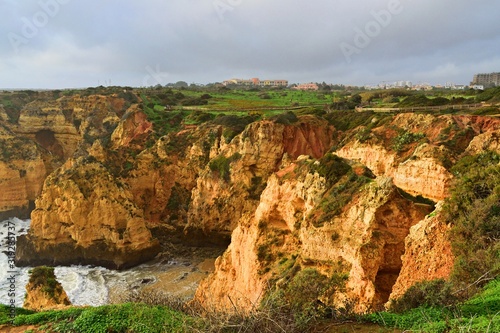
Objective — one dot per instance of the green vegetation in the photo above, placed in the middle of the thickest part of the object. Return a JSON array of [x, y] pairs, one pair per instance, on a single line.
[[474, 212], [433, 293], [298, 299], [286, 118], [423, 100], [348, 120], [44, 277], [233, 125], [129, 317], [221, 164], [342, 183], [331, 167], [491, 95], [480, 314], [404, 138]]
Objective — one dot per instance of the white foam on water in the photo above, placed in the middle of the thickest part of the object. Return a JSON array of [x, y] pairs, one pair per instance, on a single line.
[[84, 285]]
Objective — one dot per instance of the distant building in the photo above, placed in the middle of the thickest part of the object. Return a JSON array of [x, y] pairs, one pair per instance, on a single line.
[[478, 87], [255, 82], [486, 79], [307, 86]]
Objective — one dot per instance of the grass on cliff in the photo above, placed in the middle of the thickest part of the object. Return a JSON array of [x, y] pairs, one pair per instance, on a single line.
[[289, 309], [128, 317], [480, 314], [44, 277], [470, 300], [473, 211], [342, 183]]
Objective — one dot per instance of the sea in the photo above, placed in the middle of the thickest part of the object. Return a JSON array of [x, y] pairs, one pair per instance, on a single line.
[[84, 285]]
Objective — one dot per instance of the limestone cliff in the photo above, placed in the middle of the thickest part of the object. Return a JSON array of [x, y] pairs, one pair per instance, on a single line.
[[364, 240], [417, 150], [231, 184], [427, 255], [378, 238], [272, 192], [41, 136], [23, 168], [85, 217]]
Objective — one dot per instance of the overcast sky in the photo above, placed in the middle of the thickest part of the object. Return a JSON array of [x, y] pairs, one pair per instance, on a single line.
[[77, 43]]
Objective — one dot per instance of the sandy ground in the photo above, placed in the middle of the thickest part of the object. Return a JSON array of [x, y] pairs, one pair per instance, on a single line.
[[18, 329]]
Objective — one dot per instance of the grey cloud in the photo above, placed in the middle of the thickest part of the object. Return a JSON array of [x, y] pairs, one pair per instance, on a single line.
[[297, 40]]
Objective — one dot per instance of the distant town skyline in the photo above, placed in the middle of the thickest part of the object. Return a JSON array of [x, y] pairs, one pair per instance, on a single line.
[[74, 44]]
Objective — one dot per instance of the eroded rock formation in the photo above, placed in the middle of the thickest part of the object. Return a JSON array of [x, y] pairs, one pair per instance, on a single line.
[[283, 196], [44, 292], [365, 241]]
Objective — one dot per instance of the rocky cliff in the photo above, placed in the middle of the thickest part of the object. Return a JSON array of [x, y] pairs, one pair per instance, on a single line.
[[284, 195], [44, 134], [84, 216], [23, 168], [382, 238], [364, 240], [231, 185]]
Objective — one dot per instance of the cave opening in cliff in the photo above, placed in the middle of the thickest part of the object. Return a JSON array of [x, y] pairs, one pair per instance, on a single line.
[[48, 141], [388, 273], [384, 281]]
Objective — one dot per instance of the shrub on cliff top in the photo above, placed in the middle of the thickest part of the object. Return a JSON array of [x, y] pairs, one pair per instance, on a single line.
[[342, 182], [234, 125], [331, 167], [474, 213], [425, 293], [347, 120], [286, 118], [44, 276], [221, 164], [404, 138], [298, 299]]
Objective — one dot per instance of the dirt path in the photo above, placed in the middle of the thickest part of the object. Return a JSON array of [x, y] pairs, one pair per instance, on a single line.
[[16, 329]]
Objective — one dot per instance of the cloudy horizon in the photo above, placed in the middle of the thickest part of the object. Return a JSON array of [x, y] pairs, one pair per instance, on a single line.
[[48, 44]]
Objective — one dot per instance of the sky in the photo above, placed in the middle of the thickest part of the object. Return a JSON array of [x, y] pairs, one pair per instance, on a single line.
[[55, 44]]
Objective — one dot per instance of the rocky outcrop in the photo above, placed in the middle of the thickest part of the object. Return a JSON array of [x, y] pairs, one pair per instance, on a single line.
[[132, 129], [23, 169], [230, 186], [365, 242], [84, 217], [42, 136], [272, 194], [484, 142], [44, 292], [420, 167], [427, 254]]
